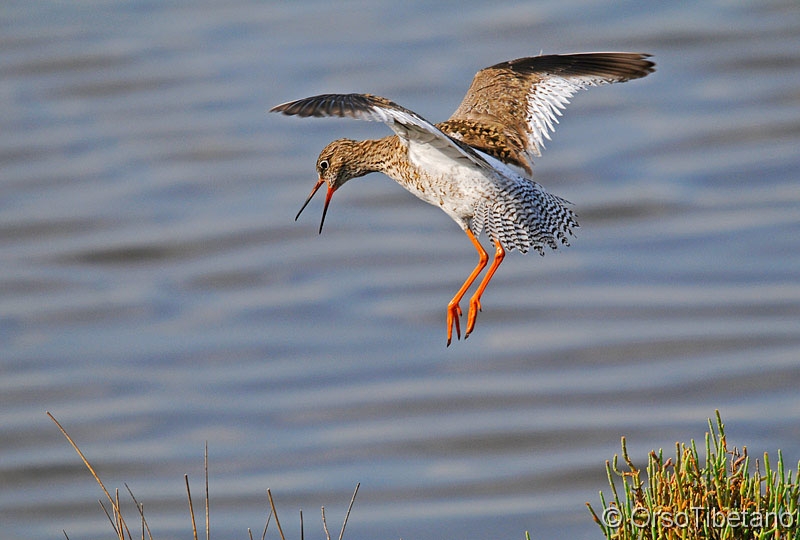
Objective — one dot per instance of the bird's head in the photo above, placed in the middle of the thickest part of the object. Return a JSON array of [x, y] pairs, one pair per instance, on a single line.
[[336, 164]]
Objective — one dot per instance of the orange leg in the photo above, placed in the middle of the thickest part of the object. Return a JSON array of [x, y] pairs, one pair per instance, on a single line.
[[453, 309], [475, 301]]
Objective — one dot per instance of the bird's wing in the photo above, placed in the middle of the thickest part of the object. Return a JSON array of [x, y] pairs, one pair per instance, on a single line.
[[521, 99], [419, 135]]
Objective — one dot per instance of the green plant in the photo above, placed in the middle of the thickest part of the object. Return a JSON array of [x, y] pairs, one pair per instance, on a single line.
[[682, 499]]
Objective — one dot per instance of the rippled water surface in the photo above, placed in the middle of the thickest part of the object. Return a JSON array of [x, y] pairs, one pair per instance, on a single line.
[[155, 292]]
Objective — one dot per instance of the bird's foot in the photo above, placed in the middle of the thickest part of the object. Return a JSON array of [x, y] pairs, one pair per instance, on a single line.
[[474, 308], [453, 318]]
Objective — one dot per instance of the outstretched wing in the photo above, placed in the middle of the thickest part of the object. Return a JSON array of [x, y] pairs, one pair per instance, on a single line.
[[419, 135], [519, 101]]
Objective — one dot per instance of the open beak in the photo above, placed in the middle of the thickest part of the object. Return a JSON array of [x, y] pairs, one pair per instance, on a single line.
[[311, 195]]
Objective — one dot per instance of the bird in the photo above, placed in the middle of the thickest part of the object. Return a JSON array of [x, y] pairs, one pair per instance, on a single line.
[[477, 165]]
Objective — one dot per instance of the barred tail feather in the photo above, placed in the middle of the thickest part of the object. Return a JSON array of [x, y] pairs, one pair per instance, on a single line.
[[526, 216]]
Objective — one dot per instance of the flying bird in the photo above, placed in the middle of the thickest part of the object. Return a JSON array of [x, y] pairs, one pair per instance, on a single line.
[[477, 165]]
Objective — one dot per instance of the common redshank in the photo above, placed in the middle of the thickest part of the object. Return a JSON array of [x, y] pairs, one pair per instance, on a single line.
[[477, 165]]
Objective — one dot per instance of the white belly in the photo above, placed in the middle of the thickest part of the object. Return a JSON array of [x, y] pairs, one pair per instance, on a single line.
[[457, 187]]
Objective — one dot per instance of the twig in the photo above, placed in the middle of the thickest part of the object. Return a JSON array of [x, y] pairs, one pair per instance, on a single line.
[[301, 525]]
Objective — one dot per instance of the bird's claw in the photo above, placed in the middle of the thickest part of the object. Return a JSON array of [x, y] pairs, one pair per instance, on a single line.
[[474, 308], [453, 318]]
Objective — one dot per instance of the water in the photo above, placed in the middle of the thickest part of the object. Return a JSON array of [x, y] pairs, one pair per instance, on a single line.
[[156, 294]]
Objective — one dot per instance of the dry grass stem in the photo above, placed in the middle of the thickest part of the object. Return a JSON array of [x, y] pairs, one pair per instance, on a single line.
[[140, 507], [349, 508], [266, 525], [325, 525], [116, 509], [191, 507], [275, 513], [120, 527], [208, 509]]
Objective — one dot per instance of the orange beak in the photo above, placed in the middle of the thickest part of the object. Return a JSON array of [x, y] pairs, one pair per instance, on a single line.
[[327, 202]]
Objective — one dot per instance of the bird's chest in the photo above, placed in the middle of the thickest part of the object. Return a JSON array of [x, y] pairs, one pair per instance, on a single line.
[[455, 191], [455, 188]]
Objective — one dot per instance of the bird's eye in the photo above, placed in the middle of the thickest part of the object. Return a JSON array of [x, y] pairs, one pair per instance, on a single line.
[[323, 164]]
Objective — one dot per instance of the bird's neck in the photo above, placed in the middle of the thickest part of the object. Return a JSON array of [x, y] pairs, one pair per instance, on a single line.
[[377, 155]]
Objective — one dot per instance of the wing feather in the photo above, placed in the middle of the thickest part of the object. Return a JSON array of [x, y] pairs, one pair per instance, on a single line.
[[408, 125], [523, 98]]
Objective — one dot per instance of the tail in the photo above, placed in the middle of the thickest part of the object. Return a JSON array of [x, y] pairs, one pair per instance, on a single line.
[[526, 216]]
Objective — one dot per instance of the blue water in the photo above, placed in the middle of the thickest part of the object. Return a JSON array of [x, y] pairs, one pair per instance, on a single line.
[[155, 292]]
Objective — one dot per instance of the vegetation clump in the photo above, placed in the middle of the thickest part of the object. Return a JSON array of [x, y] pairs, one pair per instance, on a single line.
[[686, 498]]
